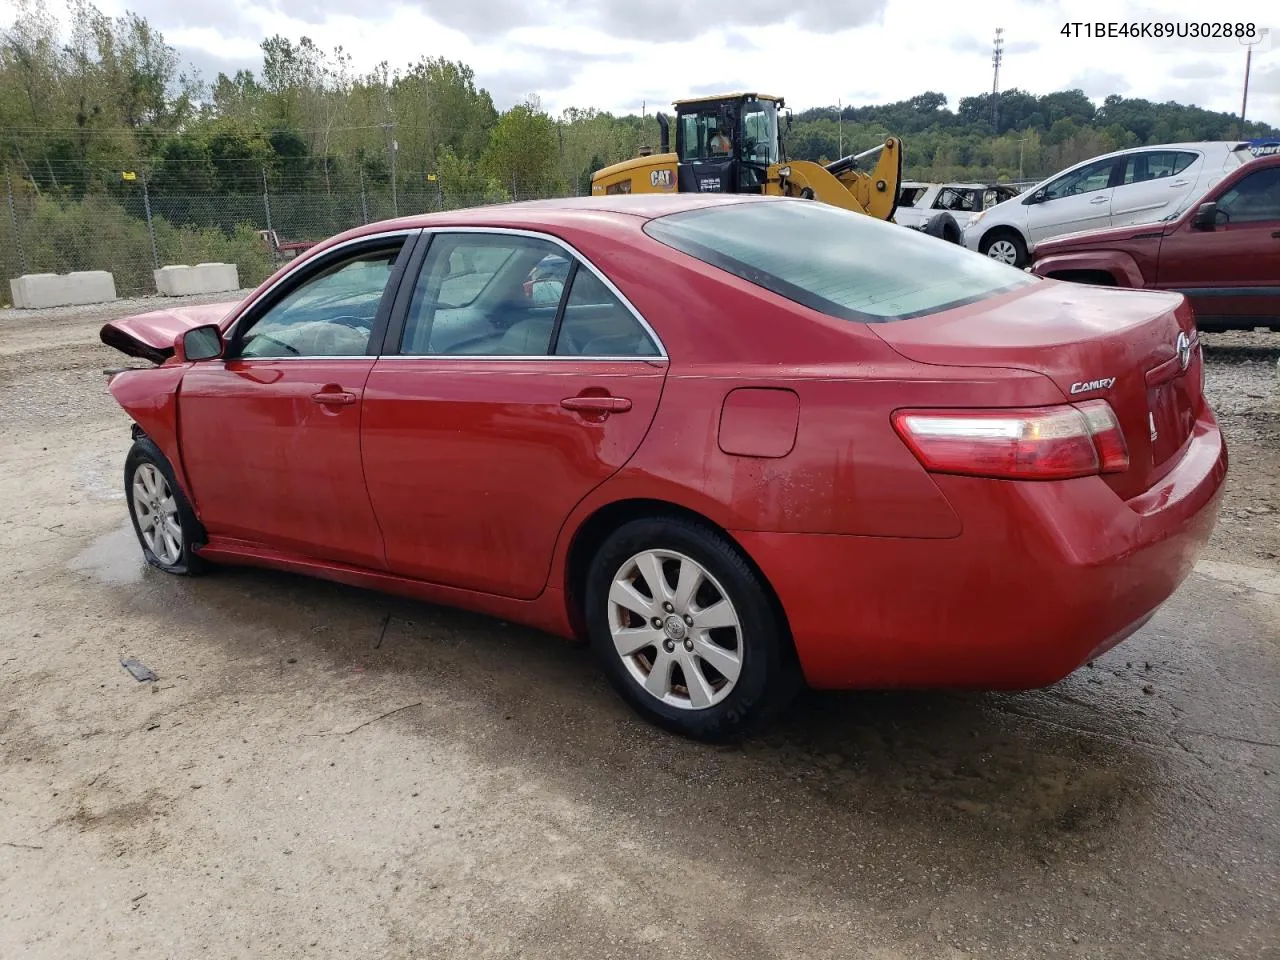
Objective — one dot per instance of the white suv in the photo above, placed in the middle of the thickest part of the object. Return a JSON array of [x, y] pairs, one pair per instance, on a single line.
[[1138, 185], [919, 202]]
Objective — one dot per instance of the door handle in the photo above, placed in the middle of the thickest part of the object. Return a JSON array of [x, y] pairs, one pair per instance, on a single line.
[[1178, 183], [1099, 199], [596, 404], [1276, 234], [337, 398]]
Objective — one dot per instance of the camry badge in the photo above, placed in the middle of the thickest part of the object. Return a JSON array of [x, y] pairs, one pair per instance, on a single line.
[[1183, 346], [1088, 386]]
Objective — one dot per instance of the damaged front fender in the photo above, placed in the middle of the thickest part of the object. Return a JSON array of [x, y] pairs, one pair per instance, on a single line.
[[151, 336]]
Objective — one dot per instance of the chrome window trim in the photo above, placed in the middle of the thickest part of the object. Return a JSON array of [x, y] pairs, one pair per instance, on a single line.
[[618, 358], [296, 356], [445, 356], [246, 306], [432, 231], [661, 356]]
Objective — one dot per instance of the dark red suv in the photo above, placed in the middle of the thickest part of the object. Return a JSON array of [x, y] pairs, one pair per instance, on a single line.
[[1223, 252]]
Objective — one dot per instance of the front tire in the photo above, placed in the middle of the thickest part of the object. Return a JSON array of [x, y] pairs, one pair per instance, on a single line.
[[163, 520], [686, 630], [1006, 247]]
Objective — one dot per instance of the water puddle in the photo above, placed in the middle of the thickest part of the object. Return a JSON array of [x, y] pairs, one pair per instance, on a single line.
[[113, 558]]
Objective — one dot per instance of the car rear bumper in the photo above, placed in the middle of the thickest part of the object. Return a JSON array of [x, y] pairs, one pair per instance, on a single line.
[[1044, 577]]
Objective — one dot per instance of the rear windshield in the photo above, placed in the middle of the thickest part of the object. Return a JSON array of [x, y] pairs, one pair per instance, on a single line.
[[844, 264]]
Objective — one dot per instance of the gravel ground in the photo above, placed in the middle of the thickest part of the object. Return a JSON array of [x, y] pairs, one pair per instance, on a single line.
[[321, 771], [1243, 383]]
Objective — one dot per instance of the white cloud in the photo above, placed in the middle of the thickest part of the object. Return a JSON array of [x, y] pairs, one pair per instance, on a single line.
[[614, 54]]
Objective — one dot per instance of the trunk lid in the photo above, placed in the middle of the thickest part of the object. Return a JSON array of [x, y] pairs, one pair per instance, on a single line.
[[1093, 343], [151, 336]]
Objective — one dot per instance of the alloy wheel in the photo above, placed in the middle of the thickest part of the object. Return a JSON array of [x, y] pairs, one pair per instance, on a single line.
[[157, 512], [675, 629]]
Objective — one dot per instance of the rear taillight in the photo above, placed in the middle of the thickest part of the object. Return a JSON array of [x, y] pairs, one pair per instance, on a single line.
[[1043, 443], [1108, 438]]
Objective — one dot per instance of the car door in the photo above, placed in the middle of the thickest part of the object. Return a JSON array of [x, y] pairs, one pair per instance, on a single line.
[[1153, 184], [1230, 270], [270, 432], [1077, 200], [492, 413]]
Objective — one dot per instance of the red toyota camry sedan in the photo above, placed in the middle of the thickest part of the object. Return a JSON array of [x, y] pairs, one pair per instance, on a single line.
[[739, 444]]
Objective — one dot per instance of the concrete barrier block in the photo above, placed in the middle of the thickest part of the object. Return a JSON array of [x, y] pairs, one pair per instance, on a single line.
[[220, 277], [181, 280], [175, 280], [34, 291]]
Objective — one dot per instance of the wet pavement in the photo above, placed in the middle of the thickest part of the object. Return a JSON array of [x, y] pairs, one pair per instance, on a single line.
[[321, 771]]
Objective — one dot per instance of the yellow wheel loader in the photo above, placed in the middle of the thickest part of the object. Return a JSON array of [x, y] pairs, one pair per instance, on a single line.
[[732, 143]]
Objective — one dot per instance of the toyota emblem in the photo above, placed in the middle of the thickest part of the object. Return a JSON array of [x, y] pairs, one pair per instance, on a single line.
[[1184, 350]]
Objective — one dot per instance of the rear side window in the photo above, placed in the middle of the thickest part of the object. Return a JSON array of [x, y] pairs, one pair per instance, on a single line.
[[844, 264], [596, 324], [1155, 165]]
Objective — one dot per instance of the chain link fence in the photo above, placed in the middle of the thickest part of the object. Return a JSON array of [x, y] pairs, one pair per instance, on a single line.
[[132, 229], [131, 232]]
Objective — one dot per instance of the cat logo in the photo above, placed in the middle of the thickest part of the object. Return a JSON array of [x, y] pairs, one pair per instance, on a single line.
[[660, 178]]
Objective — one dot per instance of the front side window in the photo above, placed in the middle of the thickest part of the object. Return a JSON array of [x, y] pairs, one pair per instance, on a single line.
[[844, 264], [329, 315], [957, 199], [993, 195], [1090, 177], [1255, 198], [760, 131], [1155, 165], [703, 137], [484, 294]]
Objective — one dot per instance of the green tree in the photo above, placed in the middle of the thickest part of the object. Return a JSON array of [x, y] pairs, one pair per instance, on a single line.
[[524, 151]]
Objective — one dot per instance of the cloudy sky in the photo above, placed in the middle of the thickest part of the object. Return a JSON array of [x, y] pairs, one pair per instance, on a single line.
[[614, 54]]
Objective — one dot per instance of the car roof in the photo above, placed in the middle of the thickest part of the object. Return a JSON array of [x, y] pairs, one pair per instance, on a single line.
[[569, 211], [612, 213], [1226, 145]]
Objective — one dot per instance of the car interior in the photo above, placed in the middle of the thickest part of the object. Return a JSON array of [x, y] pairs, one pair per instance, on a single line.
[[462, 307], [331, 315]]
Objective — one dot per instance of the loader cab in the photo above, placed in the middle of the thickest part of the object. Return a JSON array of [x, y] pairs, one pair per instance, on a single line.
[[726, 144]]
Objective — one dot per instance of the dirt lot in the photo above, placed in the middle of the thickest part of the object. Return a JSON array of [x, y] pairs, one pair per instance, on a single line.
[[325, 772]]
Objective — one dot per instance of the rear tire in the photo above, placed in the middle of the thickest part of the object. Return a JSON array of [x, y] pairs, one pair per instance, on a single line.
[[163, 520], [703, 652], [1005, 246]]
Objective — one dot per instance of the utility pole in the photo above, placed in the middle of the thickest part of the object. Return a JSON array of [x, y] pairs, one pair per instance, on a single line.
[[1248, 59], [840, 123], [390, 129], [997, 55]]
